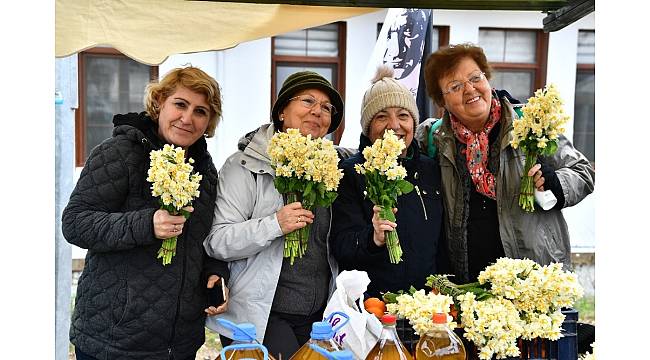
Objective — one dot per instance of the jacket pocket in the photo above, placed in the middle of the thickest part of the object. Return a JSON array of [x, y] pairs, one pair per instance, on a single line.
[[120, 303], [550, 247]]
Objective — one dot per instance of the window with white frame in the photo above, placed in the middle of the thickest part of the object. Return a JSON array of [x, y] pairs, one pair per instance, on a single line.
[[518, 59], [584, 114]]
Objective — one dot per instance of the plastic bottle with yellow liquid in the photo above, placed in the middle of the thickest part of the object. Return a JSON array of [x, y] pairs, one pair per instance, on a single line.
[[389, 346], [334, 355], [322, 335], [244, 344], [440, 343]]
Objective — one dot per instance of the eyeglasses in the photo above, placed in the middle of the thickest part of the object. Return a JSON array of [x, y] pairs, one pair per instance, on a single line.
[[309, 102], [456, 86]]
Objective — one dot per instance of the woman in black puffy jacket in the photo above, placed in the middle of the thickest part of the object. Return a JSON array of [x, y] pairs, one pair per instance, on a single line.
[[129, 305]]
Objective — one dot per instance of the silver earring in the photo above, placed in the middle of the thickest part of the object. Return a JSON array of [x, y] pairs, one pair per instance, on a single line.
[[281, 117]]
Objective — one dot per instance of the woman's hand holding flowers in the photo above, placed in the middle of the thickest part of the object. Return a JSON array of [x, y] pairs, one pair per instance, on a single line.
[[166, 225], [538, 178], [380, 226], [292, 217]]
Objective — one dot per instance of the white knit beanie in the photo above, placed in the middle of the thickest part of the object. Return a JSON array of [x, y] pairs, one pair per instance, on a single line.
[[385, 92]]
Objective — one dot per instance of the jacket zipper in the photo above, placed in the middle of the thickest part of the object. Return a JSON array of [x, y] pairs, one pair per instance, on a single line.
[[178, 305], [424, 209]]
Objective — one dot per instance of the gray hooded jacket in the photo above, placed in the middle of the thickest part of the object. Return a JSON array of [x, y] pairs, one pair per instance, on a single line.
[[246, 233], [541, 236]]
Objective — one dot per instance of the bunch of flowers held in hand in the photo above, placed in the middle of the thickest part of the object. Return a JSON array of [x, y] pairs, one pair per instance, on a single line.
[[385, 182], [536, 133], [418, 307], [175, 185], [306, 170], [513, 298]]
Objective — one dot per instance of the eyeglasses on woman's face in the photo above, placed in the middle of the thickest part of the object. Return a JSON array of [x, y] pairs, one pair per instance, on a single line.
[[309, 102], [455, 86]]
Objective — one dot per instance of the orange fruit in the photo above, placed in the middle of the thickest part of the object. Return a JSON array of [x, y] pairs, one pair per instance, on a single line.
[[378, 312], [376, 303], [453, 312]]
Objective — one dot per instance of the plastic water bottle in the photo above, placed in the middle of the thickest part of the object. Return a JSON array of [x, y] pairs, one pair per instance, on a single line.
[[389, 346], [322, 335], [440, 343]]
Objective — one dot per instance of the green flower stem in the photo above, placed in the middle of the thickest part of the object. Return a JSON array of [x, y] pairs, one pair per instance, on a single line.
[[527, 189], [469, 285], [292, 241], [167, 250], [304, 238], [392, 240]]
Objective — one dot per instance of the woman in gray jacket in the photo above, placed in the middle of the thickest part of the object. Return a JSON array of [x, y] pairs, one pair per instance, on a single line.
[[481, 172], [251, 219]]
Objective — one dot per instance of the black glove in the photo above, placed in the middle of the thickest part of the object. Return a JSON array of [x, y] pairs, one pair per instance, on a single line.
[[552, 182]]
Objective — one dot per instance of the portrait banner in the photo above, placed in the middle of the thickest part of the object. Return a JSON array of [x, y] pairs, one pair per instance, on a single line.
[[403, 37], [400, 44]]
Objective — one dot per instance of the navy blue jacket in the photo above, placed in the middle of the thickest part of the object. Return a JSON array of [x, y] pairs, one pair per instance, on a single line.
[[419, 226]]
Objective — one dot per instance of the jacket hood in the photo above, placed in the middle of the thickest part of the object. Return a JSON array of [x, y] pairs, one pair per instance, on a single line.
[[140, 127], [254, 143]]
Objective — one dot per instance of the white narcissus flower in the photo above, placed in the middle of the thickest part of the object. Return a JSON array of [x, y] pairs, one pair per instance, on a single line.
[[542, 121], [171, 178], [295, 155], [419, 309]]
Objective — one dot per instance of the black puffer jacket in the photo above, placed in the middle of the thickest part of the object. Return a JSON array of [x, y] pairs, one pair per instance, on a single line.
[[419, 226], [128, 305]]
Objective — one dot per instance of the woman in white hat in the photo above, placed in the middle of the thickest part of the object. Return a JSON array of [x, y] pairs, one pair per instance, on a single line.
[[357, 238]]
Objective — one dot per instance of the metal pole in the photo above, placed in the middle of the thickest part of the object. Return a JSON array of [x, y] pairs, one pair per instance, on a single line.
[[66, 102]]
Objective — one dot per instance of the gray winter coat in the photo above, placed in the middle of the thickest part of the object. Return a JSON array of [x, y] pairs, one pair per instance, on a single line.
[[541, 236], [246, 233]]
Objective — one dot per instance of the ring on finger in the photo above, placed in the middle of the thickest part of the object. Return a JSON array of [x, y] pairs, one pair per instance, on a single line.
[[300, 218]]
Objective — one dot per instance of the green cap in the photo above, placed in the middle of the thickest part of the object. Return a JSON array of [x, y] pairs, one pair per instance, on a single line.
[[307, 80]]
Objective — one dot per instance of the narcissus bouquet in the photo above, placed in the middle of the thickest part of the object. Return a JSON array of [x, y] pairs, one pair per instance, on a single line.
[[175, 184], [536, 133], [513, 298], [385, 182], [419, 306], [306, 170]]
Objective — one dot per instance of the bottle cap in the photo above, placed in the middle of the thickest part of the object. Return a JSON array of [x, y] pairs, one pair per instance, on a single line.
[[388, 319], [439, 318], [244, 332], [321, 330]]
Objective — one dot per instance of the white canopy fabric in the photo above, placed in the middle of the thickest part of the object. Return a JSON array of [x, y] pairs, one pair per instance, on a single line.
[[148, 31]]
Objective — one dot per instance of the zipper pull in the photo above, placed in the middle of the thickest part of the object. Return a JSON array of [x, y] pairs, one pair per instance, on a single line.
[[424, 209]]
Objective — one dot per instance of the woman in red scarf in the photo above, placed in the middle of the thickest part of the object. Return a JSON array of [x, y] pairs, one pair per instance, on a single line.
[[481, 172]]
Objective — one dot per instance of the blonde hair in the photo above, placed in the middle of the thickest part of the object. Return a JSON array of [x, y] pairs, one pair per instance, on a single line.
[[191, 78]]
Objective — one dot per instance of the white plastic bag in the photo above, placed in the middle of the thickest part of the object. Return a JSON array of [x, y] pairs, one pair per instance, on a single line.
[[362, 331]]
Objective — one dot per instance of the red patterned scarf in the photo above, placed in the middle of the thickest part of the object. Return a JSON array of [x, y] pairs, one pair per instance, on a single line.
[[477, 149]]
